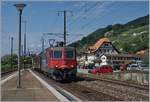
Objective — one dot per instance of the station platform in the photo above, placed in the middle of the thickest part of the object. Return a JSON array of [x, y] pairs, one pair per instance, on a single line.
[[31, 89]]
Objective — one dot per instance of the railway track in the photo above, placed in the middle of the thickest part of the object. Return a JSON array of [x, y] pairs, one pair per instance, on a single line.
[[122, 90], [8, 72], [142, 87], [90, 89], [80, 91]]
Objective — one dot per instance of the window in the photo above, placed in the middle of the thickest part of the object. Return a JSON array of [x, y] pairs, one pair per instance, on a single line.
[[70, 54], [120, 58], [106, 44], [57, 54], [104, 50], [51, 54]]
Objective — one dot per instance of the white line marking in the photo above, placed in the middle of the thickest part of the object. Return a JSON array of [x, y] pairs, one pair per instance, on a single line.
[[8, 78], [68, 93], [77, 99], [25, 89], [50, 88], [33, 88]]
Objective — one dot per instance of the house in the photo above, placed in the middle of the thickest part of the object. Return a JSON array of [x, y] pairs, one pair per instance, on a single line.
[[105, 47], [144, 55], [121, 58], [85, 58], [142, 52]]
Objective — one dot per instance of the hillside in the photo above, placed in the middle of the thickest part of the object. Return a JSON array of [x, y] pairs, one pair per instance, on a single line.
[[128, 38]]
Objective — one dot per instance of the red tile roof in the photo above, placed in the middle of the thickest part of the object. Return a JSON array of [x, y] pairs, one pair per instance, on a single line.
[[142, 52], [98, 44]]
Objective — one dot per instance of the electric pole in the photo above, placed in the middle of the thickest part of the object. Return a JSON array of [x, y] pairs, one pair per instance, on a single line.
[[28, 52], [42, 39], [21, 50], [24, 41], [25, 22], [65, 12], [22, 56], [11, 51]]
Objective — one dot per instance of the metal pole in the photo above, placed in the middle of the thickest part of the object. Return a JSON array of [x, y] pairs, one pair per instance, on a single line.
[[42, 44], [28, 52], [24, 42], [65, 12], [25, 38], [22, 50], [19, 56], [64, 28], [32, 61], [22, 56], [11, 51]]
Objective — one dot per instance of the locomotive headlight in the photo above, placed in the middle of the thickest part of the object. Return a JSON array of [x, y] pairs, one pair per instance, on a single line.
[[72, 65], [56, 66]]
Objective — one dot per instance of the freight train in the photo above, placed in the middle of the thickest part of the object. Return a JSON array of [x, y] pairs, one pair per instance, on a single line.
[[58, 62]]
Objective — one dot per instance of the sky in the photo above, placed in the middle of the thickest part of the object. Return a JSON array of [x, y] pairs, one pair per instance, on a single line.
[[42, 17]]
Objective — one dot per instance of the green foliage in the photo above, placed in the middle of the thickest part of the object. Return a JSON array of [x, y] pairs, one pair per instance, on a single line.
[[139, 22], [135, 39], [128, 38], [7, 60]]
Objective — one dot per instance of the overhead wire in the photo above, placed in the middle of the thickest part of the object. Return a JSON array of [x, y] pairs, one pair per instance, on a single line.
[[99, 14], [85, 13], [80, 10], [95, 6]]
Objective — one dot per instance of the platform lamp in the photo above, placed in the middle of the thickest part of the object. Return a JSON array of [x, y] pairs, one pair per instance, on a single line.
[[19, 7]]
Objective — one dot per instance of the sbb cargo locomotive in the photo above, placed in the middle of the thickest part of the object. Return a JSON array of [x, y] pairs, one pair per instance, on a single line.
[[58, 62]]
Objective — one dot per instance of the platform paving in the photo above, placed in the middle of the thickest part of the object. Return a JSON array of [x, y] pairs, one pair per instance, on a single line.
[[31, 90]]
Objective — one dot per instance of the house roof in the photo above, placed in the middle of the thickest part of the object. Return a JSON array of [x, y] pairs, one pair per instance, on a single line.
[[142, 52], [122, 55], [98, 44]]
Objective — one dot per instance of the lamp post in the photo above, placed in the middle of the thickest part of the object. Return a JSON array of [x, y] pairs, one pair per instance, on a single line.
[[12, 52], [24, 54], [20, 9]]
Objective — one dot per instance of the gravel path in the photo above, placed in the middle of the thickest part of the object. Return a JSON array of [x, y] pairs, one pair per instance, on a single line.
[[122, 92]]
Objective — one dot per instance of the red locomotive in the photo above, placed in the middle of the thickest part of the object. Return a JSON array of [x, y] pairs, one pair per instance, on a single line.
[[58, 62]]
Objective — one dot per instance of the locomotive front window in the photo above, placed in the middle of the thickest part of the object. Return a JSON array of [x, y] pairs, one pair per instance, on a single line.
[[70, 54], [51, 54], [57, 54]]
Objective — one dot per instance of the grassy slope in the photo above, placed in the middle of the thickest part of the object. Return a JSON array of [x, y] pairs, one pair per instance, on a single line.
[[122, 36], [130, 43]]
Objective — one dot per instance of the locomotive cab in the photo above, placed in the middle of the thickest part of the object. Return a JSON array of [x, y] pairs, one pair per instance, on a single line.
[[61, 63], [58, 62], [62, 58]]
